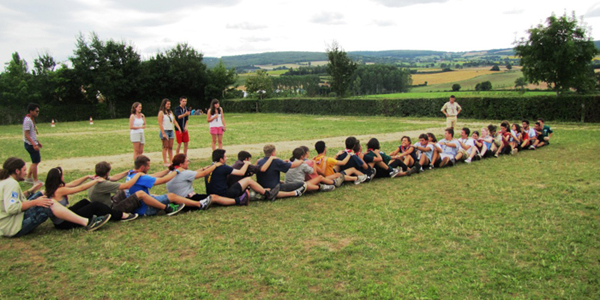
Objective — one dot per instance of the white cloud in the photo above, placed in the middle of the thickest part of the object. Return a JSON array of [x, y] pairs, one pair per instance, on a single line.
[[404, 3], [245, 26], [328, 18]]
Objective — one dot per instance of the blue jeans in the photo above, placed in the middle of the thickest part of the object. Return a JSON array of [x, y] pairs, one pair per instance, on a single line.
[[151, 211], [33, 218]]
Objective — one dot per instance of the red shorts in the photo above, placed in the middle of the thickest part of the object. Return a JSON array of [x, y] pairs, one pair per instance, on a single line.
[[182, 137], [216, 130]]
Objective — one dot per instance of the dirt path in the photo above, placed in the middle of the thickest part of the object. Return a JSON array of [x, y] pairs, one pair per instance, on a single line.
[[125, 160]]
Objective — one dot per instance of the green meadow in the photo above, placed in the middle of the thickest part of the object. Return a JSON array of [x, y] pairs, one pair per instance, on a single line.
[[523, 226]]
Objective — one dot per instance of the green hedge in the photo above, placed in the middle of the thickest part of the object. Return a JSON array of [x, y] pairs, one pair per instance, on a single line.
[[568, 108]]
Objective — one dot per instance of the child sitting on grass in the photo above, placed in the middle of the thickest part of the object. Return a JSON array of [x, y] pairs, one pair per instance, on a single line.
[[299, 173]]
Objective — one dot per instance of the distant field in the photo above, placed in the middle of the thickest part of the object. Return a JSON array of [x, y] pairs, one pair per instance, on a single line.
[[295, 66], [467, 94], [454, 76], [500, 80]]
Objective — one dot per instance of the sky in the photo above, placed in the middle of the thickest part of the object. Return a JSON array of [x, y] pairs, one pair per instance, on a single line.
[[233, 27]]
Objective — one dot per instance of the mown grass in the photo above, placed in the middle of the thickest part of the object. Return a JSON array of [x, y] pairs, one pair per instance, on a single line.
[[523, 226], [107, 137]]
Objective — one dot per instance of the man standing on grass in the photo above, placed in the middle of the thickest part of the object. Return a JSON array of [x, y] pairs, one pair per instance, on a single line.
[[451, 109], [181, 115], [32, 145]]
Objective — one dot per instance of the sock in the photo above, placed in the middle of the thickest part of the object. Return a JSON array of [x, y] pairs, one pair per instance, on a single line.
[[237, 200]]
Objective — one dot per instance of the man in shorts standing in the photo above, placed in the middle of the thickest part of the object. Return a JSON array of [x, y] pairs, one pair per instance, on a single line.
[[451, 109], [32, 145], [181, 115]]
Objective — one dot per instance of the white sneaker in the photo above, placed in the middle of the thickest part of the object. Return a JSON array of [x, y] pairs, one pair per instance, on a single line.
[[514, 151], [326, 187], [361, 179], [468, 160]]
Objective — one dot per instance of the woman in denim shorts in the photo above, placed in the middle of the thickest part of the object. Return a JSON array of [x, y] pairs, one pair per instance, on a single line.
[[166, 121]]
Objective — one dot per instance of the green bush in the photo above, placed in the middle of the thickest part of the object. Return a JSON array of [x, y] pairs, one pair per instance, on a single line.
[[568, 108]]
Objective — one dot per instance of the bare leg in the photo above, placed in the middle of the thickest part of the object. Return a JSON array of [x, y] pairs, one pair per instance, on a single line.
[[424, 160], [141, 149], [473, 153], [33, 172], [149, 200], [220, 136], [178, 148], [181, 200], [165, 144], [311, 187], [185, 147], [444, 162], [249, 182], [136, 150], [66, 214], [214, 141], [222, 200], [170, 150], [458, 156], [286, 194]]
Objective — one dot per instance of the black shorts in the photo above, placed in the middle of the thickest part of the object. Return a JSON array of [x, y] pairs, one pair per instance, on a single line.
[[233, 191], [36, 158], [437, 163]]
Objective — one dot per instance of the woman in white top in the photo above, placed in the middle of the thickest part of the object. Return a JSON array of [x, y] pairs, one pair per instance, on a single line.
[[167, 134], [216, 121], [137, 124]]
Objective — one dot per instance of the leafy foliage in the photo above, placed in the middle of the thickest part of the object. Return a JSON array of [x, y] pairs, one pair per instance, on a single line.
[[340, 68], [260, 83], [559, 54]]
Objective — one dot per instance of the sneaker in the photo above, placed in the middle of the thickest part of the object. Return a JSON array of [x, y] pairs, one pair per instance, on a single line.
[[394, 172], [410, 171], [339, 181], [468, 160], [173, 209], [361, 179], [29, 180], [430, 167], [97, 222], [398, 172], [244, 198], [532, 147], [513, 151], [326, 187], [414, 170], [496, 155], [373, 173], [205, 203], [254, 196], [417, 168], [131, 217], [272, 194], [301, 190]]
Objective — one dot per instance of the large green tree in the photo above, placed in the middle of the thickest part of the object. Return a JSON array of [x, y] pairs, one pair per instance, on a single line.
[[14, 88], [260, 83], [341, 69], [220, 80], [179, 71], [109, 71], [558, 53]]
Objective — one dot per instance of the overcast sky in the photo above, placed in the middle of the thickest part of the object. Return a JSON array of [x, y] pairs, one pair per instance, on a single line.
[[231, 27]]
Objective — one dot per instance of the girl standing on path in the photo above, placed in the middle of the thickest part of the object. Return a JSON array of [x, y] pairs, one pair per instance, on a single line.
[[215, 118], [137, 124], [167, 134]]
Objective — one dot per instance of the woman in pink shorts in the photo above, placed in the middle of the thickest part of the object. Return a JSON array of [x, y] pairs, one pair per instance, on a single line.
[[216, 121]]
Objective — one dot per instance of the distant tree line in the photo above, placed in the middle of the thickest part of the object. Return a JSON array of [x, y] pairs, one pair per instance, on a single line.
[[103, 79]]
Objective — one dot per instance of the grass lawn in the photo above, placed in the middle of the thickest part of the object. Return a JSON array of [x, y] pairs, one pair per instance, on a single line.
[[79, 139], [523, 226]]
